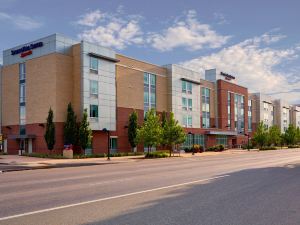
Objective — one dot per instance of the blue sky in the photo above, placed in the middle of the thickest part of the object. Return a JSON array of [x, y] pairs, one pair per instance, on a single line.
[[257, 41]]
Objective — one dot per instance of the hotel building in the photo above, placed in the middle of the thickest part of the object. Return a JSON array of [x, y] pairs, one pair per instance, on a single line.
[[56, 70]]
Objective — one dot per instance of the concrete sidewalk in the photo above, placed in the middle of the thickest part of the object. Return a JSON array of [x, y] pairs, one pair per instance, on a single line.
[[10, 163]]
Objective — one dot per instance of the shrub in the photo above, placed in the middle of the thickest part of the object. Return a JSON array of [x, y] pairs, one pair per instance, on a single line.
[[158, 154], [216, 148], [293, 146], [267, 148], [246, 146]]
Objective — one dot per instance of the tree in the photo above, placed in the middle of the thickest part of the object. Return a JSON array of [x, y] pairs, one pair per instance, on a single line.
[[70, 127], [151, 131], [173, 133], [260, 136], [274, 135], [290, 135], [132, 129], [297, 135], [85, 132], [50, 131], [164, 123]]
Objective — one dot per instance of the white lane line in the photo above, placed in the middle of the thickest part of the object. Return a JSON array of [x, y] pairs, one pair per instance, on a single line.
[[110, 198]]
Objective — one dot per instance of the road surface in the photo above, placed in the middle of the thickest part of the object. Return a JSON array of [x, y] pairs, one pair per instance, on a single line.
[[247, 188]]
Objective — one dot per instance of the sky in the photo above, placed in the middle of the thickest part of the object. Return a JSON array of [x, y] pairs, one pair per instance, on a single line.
[[257, 41]]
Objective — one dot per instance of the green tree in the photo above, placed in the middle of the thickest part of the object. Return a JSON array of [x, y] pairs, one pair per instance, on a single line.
[[274, 135], [132, 129], [85, 132], [50, 131], [290, 135], [151, 131], [164, 124], [297, 135], [70, 127], [173, 133], [261, 135]]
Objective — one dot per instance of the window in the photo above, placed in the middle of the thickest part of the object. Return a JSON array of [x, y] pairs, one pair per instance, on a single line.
[[190, 104], [184, 104], [149, 92], [183, 86], [249, 115], [186, 87], [221, 140], [22, 71], [94, 111], [239, 120], [94, 64], [189, 87], [22, 98], [94, 87], [113, 143], [22, 92], [187, 121], [198, 140], [190, 121], [229, 110], [205, 93]]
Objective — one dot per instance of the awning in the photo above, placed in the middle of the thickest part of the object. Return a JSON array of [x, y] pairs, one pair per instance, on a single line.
[[18, 136], [215, 132], [189, 80], [103, 57]]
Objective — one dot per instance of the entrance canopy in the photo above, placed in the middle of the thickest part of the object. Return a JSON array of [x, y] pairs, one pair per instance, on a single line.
[[228, 133], [18, 136]]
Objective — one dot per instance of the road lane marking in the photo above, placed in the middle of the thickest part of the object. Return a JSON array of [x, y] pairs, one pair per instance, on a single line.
[[111, 198]]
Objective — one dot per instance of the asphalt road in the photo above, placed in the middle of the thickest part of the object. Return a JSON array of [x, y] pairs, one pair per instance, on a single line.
[[248, 188]]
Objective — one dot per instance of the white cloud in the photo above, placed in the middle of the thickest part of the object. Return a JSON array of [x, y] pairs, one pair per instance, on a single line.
[[111, 30], [188, 33], [91, 18], [20, 21], [254, 64]]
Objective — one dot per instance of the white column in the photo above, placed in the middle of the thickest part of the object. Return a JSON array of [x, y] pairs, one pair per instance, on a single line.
[[29, 146], [5, 145]]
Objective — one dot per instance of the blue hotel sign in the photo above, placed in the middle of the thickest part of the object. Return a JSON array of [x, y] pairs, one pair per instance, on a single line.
[[27, 48]]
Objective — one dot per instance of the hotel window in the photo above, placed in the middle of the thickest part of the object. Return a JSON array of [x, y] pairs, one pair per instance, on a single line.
[[22, 71], [184, 104], [249, 115], [22, 98], [190, 104], [198, 140], [205, 93], [187, 87], [190, 121], [22, 115], [94, 111], [93, 64], [149, 92], [113, 143], [239, 120], [221, 140], [229, 110], [187, 120], [94, 87], [22, 93]]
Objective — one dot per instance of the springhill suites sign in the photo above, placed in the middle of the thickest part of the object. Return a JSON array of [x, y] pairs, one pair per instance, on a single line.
[[27, 48]]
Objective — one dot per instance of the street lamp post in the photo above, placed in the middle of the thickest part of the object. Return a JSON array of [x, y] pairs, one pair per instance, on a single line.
[[108, 147], [248, 136]]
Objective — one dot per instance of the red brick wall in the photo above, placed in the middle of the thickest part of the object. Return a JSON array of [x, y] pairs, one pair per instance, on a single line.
[[223, 88], [38, 144]]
